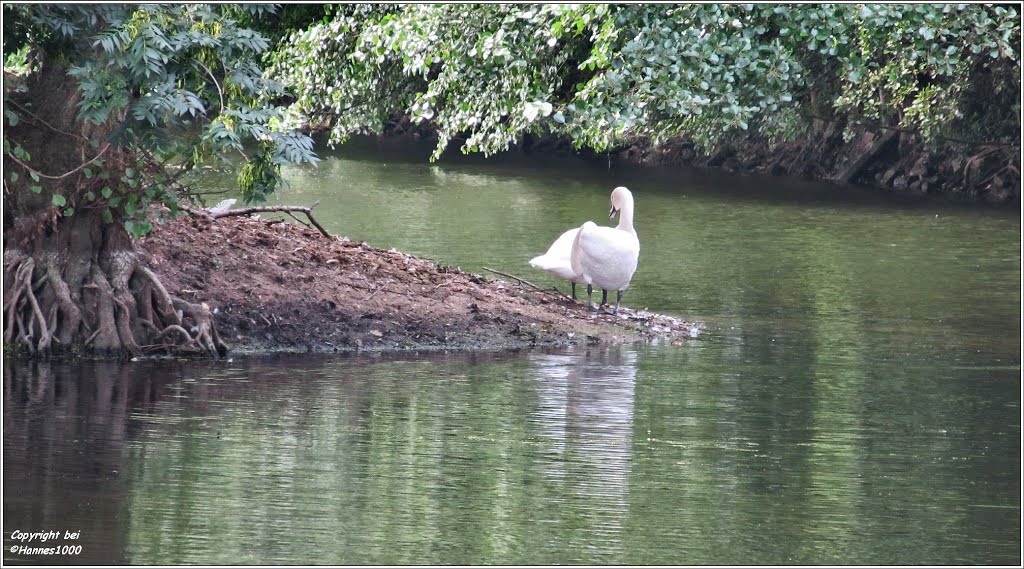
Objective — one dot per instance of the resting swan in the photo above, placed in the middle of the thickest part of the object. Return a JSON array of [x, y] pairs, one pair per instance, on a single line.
[[556, 261], [607, 256]]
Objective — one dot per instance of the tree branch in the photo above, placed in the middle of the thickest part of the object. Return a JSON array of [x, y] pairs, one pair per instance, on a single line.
[[44, 123], [62, 176], [215, 82], [264, 209]]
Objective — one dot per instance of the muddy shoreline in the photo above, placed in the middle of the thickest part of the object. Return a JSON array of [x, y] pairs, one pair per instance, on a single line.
[[276, 287]]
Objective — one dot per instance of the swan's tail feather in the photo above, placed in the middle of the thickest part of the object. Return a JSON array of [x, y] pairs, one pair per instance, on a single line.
[[542, 262]]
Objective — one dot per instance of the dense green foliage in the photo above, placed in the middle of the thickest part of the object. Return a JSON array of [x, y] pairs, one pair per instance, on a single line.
[[604, 74], [171, 87]]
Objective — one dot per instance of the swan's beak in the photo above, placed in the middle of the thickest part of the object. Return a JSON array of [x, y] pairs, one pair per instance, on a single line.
[[614, 211]]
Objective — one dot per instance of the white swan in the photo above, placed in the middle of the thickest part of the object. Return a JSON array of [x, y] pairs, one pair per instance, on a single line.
[[557, 262], [607, 256]]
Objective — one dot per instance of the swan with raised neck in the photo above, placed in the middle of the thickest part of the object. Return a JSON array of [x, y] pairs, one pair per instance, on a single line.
[[607, 256]]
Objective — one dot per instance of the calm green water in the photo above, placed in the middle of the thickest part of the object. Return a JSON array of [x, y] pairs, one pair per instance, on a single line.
[[855, 398]]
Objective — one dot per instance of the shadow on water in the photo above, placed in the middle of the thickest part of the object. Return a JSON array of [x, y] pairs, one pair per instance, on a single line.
[[65, 427], [68, 426], [675, 181]]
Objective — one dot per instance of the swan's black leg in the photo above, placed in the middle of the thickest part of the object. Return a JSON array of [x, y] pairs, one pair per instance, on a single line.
[[573, 290], [604, 296], [590, 300], [618, 298]]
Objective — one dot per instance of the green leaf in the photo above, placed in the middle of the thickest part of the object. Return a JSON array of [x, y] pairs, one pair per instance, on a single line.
[[107, 192], [69, 212], [14, 176], [36, 189], [107, 216], [58, 200]]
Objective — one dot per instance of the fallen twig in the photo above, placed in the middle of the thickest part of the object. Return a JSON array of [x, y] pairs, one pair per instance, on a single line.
[[525, 282], [380, 288], [261, 209]]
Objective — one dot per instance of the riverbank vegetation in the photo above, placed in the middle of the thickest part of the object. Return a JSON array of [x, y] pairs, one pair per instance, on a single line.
[[111, 111], [922, 97]]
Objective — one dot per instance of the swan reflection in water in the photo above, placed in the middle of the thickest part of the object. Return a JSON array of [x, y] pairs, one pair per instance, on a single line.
[[585, 413]]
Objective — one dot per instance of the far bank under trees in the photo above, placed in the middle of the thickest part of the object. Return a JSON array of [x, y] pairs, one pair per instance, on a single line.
[[919, 97]]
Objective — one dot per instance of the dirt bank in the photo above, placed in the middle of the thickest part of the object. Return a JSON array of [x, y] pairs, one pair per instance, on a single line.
[[281, 287], [888, 160]]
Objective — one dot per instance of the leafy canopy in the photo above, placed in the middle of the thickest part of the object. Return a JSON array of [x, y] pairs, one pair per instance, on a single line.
[[604, 74], [176, 86]]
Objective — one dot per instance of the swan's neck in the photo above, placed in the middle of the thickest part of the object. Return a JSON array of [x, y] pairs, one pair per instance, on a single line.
[[626, 216]]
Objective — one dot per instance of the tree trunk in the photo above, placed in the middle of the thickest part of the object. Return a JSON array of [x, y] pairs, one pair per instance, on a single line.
[[75, 281]]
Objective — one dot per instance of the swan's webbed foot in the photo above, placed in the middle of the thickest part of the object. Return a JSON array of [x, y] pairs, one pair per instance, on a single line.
[[618, 299]]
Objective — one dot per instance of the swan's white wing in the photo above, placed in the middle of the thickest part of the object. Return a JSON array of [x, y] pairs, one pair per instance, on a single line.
[[605, 256], [563, 245]]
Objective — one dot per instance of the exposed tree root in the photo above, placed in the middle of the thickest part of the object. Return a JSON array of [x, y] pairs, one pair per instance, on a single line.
[[200, 324], [120, 309], [22, 309], [64, 302]]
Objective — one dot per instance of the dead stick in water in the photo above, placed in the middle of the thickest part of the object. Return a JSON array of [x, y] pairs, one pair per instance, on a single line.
[[523, 281]]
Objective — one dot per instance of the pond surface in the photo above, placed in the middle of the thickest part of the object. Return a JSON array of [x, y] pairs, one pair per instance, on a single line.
[[855, 398]]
